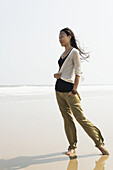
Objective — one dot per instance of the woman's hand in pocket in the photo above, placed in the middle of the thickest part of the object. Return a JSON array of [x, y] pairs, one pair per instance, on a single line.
[[57, 75], [70, 94]]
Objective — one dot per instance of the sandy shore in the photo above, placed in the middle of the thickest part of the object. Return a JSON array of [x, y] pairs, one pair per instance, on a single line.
[[32, 130]]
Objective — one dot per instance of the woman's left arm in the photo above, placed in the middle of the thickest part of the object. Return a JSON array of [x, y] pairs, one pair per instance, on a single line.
[[76, 82], [77, 68]]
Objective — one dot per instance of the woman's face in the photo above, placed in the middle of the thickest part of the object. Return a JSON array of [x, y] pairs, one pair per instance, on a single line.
[[64, 39]]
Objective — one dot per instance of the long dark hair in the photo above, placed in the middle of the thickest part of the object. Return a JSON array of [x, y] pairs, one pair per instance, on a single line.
[[74, 44]]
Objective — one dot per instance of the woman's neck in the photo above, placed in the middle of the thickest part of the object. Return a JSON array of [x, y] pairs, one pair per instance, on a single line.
[[67, 47]]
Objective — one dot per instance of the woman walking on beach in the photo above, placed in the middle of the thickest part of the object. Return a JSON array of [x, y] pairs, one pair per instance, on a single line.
[[67, 96]]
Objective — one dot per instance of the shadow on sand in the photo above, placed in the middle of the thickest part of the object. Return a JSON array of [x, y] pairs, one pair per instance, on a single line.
[[25, 161]]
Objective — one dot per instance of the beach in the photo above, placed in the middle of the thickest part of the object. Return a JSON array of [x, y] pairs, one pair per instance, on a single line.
[[32, 129]]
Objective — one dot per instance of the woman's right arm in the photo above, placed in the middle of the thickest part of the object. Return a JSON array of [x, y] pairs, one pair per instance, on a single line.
[[57, 75]]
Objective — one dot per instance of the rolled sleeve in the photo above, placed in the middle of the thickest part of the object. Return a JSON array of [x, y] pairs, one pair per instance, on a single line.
[[77, 63]]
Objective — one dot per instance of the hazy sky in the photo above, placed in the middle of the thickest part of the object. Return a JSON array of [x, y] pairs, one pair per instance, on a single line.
[[29, 39]]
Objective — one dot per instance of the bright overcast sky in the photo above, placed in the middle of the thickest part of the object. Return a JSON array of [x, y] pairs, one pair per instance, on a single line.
[[29, 44]]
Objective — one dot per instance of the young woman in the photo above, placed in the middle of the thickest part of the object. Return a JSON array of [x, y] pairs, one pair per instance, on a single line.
[[67, 96]]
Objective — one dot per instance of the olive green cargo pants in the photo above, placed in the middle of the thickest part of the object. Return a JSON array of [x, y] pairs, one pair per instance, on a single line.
[[71, 104]]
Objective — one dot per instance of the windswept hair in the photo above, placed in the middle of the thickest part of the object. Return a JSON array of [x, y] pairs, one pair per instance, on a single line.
[[74, 43]]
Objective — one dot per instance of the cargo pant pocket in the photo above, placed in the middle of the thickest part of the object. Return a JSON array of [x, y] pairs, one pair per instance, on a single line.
[[77, 94]]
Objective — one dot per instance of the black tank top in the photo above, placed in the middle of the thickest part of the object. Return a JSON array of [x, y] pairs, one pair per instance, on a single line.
[[61, 85]]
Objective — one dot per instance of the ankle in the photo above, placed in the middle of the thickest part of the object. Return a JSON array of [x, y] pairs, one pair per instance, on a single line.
[[72, 150]]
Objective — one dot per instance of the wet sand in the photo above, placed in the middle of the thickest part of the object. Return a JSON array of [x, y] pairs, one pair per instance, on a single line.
[[33, 137]]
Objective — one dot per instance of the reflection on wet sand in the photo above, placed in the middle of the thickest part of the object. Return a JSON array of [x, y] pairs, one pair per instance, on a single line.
[[24, 143], [25, 161], [99, 165], [73, 164]]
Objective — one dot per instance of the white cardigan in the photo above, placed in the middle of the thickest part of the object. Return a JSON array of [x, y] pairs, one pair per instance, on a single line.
[[71, 67]]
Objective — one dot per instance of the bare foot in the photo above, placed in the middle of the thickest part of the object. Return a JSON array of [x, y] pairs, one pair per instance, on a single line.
[[71, 152], [103, 150]]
